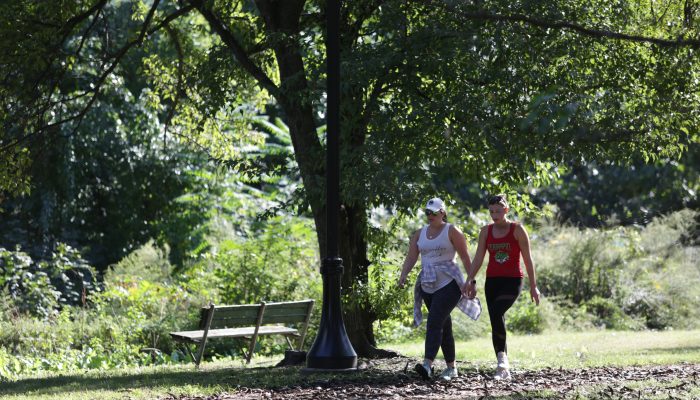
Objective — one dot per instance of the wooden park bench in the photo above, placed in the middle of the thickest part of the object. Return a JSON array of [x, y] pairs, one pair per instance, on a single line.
[[248, 321]]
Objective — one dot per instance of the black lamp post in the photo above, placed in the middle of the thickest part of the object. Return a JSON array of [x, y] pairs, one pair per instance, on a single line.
[[332, 350]]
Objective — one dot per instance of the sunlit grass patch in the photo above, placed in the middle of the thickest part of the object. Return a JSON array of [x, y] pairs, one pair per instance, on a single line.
[[578, 349]]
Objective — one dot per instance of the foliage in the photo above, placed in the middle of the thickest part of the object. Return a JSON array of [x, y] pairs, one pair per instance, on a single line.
[[150, 308], [525, 317], [40, 288], [607, 193], [274, 261], [625, 277], [103, 181], [73, 340]]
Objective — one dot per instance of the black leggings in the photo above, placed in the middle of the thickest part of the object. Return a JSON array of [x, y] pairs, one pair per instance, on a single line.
[[439, 327], [501, 293]]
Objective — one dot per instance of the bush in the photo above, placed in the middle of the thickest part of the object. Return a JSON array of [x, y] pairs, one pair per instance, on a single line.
[[140, 304], [625, 278], [276, 260], [140, 291], [75, 339], [610, 315], [41, 289], [525, 317]]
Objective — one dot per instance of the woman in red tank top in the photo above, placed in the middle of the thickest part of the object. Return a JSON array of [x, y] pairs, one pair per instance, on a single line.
[[505, 242], [504, 253]]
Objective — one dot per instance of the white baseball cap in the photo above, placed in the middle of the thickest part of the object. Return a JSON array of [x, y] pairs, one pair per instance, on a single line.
[[435, 204]]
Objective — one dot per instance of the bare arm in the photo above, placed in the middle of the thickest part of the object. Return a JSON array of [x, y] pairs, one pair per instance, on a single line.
[[411, 258], [524, 242], [460, 243], [470, 288], [480, 253]]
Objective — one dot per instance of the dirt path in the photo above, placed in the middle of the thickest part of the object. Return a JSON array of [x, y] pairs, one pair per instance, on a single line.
[[394, 379]]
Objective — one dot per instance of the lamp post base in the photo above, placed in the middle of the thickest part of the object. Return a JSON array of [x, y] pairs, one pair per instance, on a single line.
[[331, 350], [333, 363], [309, 371]]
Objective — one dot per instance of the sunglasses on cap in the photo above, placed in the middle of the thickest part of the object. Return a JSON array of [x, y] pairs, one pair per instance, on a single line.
[[431, 212]]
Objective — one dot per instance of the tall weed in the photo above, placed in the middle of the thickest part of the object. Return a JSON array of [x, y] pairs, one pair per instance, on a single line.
[[624, 277]]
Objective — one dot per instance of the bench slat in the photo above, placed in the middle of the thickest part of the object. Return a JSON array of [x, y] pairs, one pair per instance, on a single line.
[[283, 319], [234, 332], [231, 322]]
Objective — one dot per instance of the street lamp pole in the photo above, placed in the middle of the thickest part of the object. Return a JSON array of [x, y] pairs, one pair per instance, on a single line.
[[332, 350]]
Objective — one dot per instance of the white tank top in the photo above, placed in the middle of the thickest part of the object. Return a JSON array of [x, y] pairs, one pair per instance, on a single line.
[[434, 251]]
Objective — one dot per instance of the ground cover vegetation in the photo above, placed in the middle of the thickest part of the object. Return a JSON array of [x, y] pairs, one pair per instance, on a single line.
[[525, 91]]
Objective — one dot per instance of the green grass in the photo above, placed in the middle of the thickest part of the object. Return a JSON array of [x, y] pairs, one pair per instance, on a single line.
[[567, 350], [579, 349]]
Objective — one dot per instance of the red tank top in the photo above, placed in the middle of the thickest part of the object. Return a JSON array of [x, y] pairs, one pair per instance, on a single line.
[[504, 255]]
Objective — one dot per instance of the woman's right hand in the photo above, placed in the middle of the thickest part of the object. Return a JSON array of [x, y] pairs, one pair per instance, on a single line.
[[402, 282], [469, 289]]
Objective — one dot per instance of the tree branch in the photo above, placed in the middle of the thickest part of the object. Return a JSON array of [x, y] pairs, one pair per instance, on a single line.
[[147, 21], [362, 14], [116, 58], [565, 25], [180, 72], [241, 55], [47, 106]]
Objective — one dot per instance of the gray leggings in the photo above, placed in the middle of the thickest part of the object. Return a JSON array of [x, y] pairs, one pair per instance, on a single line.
[[439, 327]]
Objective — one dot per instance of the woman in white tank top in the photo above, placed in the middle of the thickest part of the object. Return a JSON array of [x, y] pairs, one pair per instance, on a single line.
[[439, 284]]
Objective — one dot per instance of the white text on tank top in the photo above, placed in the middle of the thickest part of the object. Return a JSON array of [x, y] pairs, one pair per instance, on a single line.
[[436, 251]]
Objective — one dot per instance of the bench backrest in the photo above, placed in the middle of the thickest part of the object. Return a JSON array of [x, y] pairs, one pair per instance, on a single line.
[[226, 316], [287, 312]]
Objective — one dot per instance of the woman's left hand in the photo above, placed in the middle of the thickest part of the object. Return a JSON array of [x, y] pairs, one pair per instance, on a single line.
[[535, 294]]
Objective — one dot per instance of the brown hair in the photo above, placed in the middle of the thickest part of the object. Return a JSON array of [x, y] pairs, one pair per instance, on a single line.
[[499, 199]]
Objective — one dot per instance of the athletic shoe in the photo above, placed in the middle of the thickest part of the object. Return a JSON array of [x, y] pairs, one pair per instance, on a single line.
[[502, 360], [502, 368], [502, 374], [449, 373], [424, 370]]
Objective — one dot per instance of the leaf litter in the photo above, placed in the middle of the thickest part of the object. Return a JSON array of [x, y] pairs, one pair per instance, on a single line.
[[391, 379]]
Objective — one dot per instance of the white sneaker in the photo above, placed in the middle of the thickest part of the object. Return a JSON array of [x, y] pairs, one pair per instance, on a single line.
[[502, 374], [449, 373], [502, 368], [502, 358]]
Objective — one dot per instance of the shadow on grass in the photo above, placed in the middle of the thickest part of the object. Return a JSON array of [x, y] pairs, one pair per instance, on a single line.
[[227, 379], [670, 350]]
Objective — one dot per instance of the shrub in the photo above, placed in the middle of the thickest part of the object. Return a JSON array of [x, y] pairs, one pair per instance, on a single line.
[[275, 261], [525, 318], [140, 292], [625, 278], [609, 314], [42, 288]]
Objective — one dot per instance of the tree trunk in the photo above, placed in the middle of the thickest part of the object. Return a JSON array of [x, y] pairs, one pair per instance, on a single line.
[[283, 18], [358, 314]]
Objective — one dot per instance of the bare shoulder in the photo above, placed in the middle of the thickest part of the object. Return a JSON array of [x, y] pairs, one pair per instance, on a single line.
[[455, 229], [484, 230], [519, 231], [416, 234]]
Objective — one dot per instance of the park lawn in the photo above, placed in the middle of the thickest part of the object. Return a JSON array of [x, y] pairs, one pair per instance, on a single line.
[[552, 349], [578, 349]]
